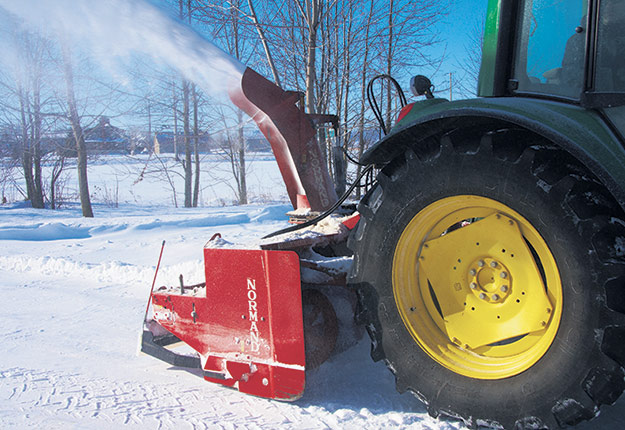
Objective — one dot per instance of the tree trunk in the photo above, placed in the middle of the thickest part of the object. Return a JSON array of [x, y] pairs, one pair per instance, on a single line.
[[27, 154], [188, 168], [311, 15], [37, 201], [56, 173], [242, 179], [263, 40], [196, 149], [363, 93], [175, 112], [81, 149], [389, 62]]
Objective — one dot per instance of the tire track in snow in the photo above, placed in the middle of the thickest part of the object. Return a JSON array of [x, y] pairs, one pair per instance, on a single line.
[[103, 402], [45, 396]]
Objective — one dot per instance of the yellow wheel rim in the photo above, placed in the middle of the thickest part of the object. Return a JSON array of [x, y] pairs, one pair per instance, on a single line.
[[477, 287]]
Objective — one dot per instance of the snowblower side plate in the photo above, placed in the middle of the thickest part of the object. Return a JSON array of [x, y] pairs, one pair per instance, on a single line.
[[248, 326]]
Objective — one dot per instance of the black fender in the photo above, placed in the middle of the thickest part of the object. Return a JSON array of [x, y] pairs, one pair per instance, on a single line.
[[583, 133]]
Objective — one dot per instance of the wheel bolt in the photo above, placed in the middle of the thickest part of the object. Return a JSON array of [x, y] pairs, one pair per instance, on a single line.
[[503, 275], [473, 285], [495, 297], [480, 263], [504, 288], [482, 296], [472, 272], [493, 264]]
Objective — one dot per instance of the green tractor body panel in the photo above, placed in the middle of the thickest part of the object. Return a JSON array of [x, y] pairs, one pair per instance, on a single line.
[[485, 86]]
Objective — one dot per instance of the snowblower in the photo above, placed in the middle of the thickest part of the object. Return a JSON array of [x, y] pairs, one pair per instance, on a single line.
[[246, 323]]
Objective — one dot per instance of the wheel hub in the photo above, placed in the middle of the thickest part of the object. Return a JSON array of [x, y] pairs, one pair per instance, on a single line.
[[489, 280], [486, 315]]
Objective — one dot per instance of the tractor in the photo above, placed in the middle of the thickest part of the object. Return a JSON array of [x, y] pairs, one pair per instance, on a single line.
[[487, 259]]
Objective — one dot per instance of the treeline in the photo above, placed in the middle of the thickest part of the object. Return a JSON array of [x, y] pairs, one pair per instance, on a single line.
[[328, 50]]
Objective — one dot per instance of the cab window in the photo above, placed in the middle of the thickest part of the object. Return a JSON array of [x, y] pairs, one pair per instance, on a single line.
[[610, 63], [549, 56]]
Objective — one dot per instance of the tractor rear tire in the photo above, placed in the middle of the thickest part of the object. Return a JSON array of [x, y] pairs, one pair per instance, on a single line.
[[491, 281]]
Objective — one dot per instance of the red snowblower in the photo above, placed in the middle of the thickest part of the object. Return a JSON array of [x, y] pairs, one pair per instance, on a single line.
[[263, 315]]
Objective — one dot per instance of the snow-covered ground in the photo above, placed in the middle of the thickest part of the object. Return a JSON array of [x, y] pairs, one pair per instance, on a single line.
[[74, 291]]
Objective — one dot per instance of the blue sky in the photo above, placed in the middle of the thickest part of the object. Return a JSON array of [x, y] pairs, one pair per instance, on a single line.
[[456, 29]]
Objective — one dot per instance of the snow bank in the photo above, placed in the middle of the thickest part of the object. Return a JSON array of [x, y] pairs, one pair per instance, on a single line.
[[43, 232]]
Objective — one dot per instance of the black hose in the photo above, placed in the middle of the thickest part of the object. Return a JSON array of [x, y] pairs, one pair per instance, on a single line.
[[352, 159], [377, 112], [325, 214]]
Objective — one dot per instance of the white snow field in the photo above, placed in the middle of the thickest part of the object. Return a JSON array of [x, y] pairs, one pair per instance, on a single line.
[[73, 292]]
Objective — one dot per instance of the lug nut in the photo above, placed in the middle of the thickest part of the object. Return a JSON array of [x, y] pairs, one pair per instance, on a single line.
[[472, 272], [493, 264], [504, 288], [481, 263], [503, 275], [473, 285], [482, 296], [495, 297]]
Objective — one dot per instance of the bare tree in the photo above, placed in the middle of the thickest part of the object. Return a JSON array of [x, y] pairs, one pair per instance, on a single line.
[[263, 39], [24, 104], [79, 137], [232, 145], [57, 169], [196, 146], [470, 64], [231, 26]]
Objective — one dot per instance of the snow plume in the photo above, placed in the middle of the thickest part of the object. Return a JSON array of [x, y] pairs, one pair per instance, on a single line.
[[121, 29]]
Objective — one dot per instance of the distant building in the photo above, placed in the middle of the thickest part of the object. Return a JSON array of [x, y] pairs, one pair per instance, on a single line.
[[166, 142], [256, 142], [105, 138]]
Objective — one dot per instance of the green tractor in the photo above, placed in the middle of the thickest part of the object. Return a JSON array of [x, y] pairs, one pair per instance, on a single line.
[[490, 255], [488, 258]]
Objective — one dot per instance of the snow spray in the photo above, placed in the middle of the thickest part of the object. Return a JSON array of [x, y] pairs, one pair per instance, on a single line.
[[120, 29]]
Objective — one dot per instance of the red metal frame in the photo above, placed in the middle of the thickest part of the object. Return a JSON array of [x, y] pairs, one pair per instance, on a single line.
[[247, 326]]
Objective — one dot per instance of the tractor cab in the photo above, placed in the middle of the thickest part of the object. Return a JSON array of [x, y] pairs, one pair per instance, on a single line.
[[570, 51]]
